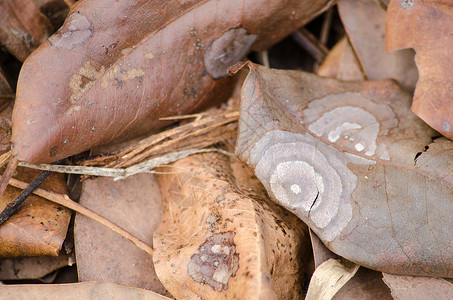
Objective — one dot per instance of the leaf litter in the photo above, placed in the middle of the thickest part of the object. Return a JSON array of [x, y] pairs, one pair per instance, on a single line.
[[212, 262]]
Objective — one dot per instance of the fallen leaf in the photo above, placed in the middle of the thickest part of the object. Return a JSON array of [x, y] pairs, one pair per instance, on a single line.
[[329, 277], [76, 291], [102, 255], [348, 159], [341, 63], [364, 21], [418, 288], [420, 25], [218, 241], [365, 284], [32, 267], [22, 27], [5, 87], [39, 227], [110, 73]]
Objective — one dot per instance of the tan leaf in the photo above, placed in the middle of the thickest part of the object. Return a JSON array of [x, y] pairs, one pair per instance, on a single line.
[[329, 277], [217, 241], [341, 63], [134, 204]]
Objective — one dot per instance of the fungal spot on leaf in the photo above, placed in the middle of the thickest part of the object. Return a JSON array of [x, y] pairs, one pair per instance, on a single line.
[[74, 32], [227, 50], [83, 80], [215, 262]]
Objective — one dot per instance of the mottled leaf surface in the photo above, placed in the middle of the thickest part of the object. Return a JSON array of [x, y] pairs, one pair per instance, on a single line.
[[419, 288], [347, 158], [116, 67], [218, 241]]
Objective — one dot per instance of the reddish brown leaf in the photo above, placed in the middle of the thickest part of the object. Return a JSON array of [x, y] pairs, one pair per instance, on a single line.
[[364, 21], [418, 288], [347, 158], [217, 241], [102, 255], [421, 25], [22, 27], [116, 67], [39, 228]]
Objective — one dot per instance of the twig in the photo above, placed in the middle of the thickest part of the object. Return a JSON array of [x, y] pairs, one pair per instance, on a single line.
[[10, 169], [13, 206], [307, 41], [118, 173], [66, 202], [325, 29]]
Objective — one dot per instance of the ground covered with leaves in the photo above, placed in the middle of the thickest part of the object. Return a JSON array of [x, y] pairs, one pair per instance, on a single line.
[[226, 149]]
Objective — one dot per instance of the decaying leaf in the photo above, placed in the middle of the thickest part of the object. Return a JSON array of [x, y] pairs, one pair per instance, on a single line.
[[110, 73], [217, 241], [426, 26], [55, 11], [82, 290], [22, 27], [419, 288], [102, 255], [364, 21], [329, 277], [32, 267], [39, 227], [347, 158], [365, 284]]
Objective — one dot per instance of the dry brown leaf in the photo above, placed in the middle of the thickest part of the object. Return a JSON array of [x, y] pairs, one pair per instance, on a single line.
[[341, 63], [364, 21], [329, 277], [22, 27], [39, 227], [133, 203], [419, 288], [426, 26], [76, 291], [110, 72], [217, 241], [348, 159], [33, 267]]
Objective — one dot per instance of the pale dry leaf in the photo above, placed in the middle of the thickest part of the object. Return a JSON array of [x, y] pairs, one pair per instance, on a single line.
[[329, 278]]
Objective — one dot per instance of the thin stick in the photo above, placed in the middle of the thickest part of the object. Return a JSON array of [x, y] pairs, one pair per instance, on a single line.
[[10, 169], [66, 202], [13, 206]]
